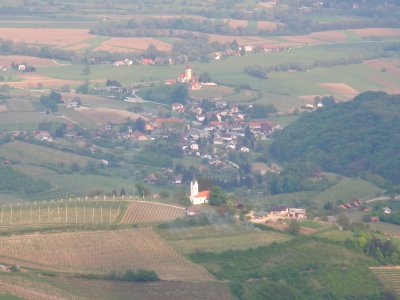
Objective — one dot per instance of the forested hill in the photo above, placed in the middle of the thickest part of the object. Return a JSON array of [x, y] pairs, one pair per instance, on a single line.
[[355, 138]]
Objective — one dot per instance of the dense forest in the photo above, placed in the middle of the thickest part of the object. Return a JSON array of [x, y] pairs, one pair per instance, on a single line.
[[356, 138]]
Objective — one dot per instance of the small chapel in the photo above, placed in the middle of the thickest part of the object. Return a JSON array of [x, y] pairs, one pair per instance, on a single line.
[[197, 197]]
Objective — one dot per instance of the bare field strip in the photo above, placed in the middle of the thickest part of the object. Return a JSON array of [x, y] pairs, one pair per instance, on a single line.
[[128, 44], [390, 276], [367, 32], [235, 23], [45, 36], [340, 89], [267, 25], [103, 251], [146, 212], [33, 61]]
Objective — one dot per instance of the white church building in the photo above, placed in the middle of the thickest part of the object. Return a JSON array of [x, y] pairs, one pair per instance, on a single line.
[[197, 197]]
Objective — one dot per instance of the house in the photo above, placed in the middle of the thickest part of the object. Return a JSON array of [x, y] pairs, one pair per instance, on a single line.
[[374, 219], [197, 197], [118, 63], [244, 149], [137, 135], [170, 81], [281, 211], [297, 213], [43, 136], [147, 61], [387, 210], [151, 179], [21, 68], [177, 179], [178, 107], [248, 48]]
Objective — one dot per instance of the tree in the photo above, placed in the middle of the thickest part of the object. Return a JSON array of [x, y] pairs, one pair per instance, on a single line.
[[294, 227], [205, 77], [343, 221], [218, 196], [140, 125], [86, 70], [142, 190]]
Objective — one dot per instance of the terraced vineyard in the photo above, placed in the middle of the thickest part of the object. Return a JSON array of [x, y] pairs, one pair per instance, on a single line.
[[100, 251], [390, 276], [146, 212]]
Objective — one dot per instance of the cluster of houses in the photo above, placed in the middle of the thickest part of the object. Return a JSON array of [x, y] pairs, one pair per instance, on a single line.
[[276, 214], [354, 204]]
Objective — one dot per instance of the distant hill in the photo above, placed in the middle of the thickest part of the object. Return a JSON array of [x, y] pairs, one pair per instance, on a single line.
[[354, 138]]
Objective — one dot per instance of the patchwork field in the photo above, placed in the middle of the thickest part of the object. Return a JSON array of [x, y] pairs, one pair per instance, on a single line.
[[390, 276], [102, 251], [146, 212]]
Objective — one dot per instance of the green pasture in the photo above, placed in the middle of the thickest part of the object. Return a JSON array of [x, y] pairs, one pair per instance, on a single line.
[[348, 189], [218, 238], [335, 234], [36, 154]]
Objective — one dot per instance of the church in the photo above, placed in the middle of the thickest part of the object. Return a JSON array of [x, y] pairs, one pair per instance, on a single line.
[[197, 197]]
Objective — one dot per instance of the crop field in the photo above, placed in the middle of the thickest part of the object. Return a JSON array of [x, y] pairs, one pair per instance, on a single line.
[[60, 212], [129, 44], [12, 117], [34, 154], [19, 286], [146, 212], [45, 36], [20, 105], [103, 115], [177, 290], [390, 276], [102, 251], [7, 60], [218, 238]]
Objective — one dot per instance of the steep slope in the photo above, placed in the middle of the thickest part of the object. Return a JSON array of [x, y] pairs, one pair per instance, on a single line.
[[353, 138]]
